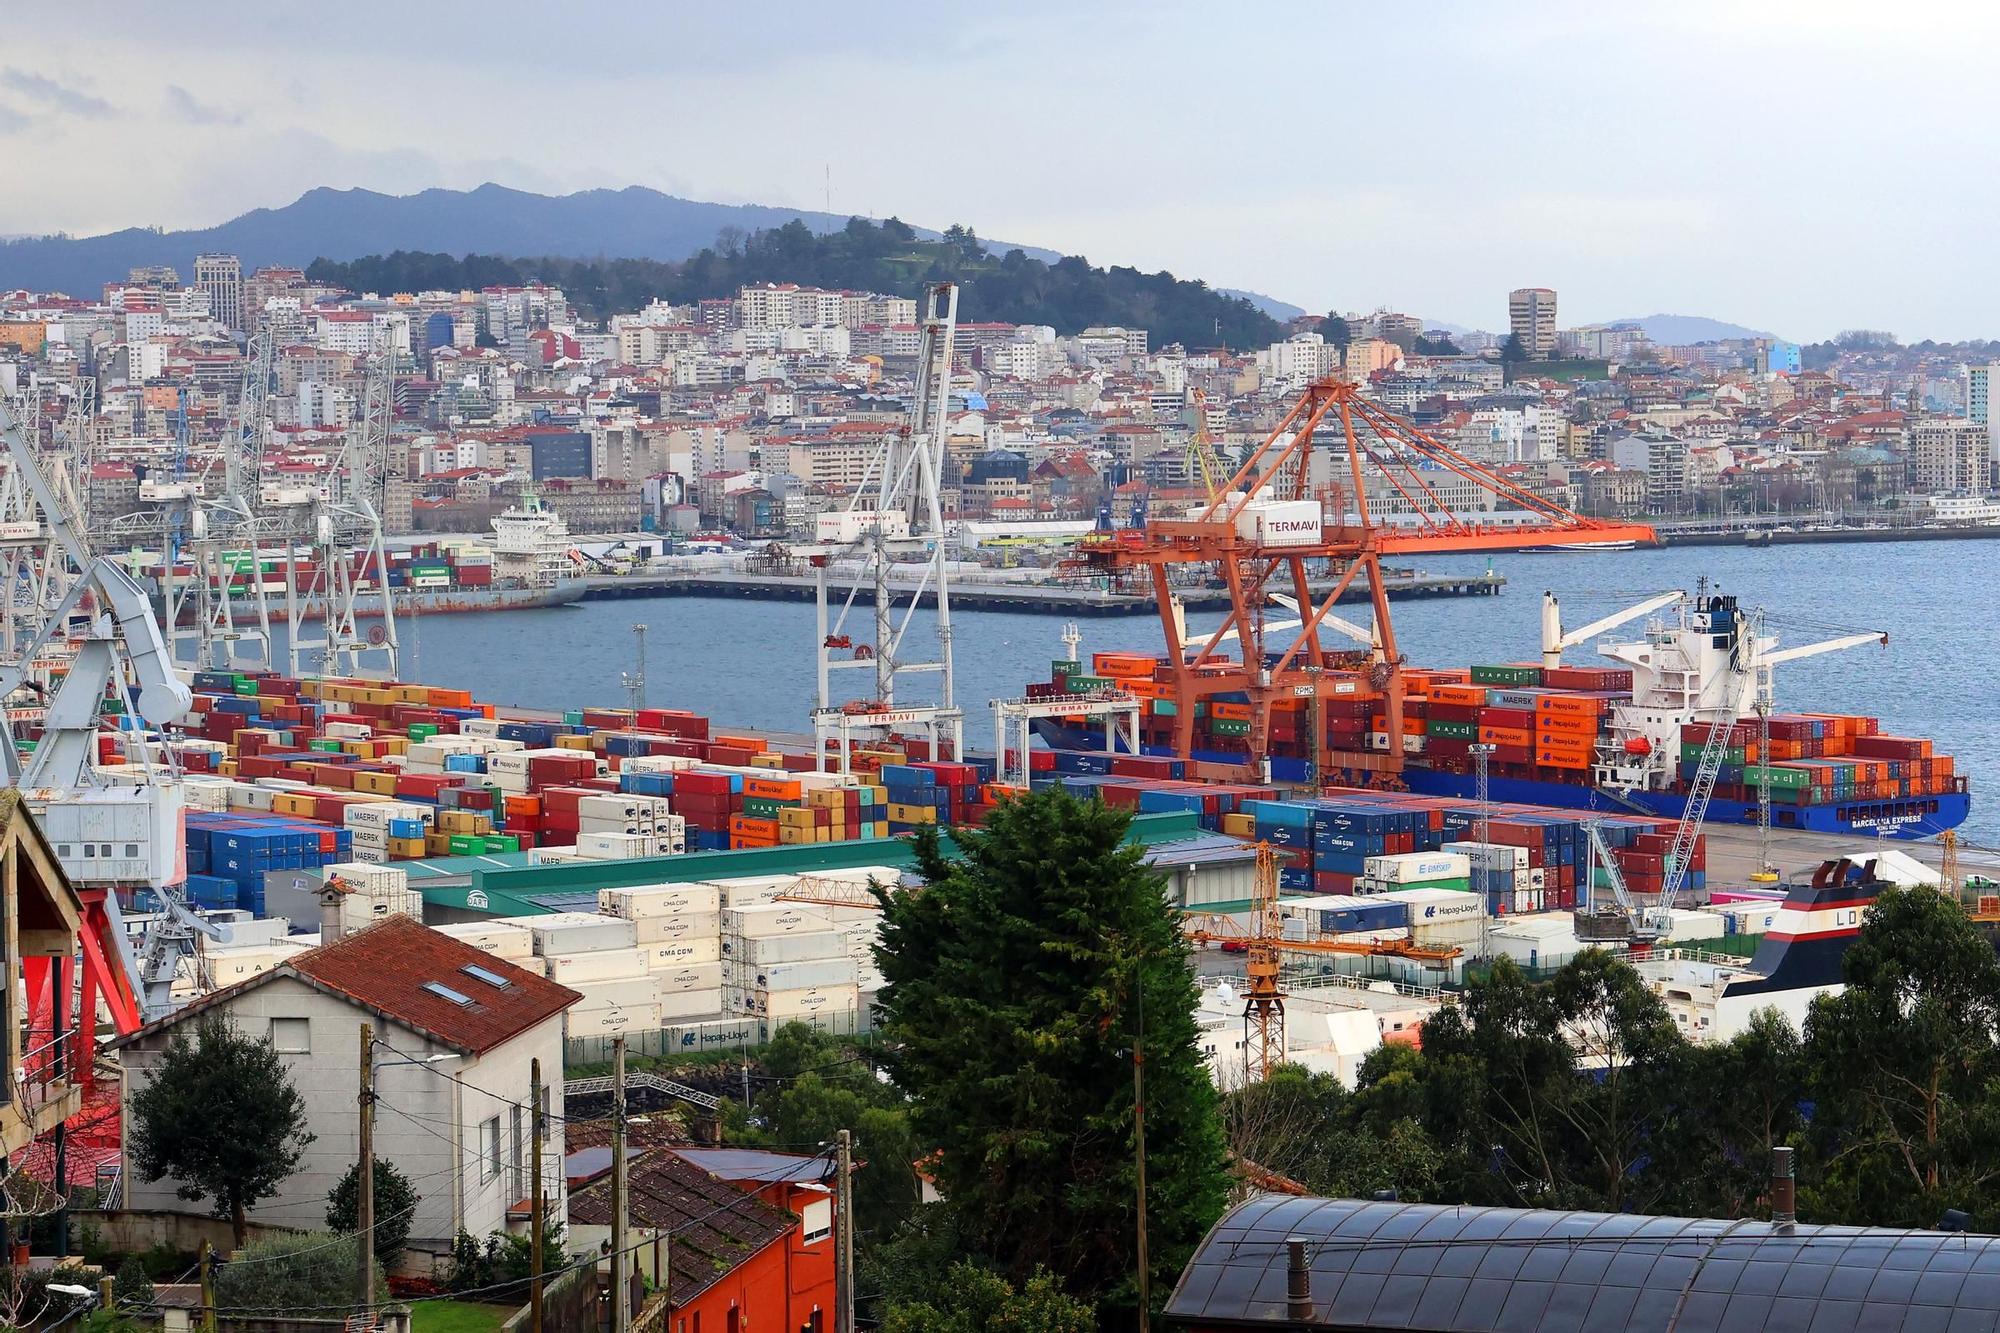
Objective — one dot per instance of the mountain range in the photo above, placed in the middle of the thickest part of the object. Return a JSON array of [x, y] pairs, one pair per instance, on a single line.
[[632, 223], [1684, 330]]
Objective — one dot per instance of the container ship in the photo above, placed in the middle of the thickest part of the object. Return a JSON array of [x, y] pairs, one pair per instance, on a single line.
[[1627, 738]]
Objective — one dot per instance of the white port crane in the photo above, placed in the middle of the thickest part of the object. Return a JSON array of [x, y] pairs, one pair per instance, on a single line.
[[108, 833]]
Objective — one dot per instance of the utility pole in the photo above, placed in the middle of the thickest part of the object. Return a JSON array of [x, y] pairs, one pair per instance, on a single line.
[[1139, 1141], [535, 1204], [621, 1264], [207, 1288], [364, 1180], [843, 1233], [635, 679]]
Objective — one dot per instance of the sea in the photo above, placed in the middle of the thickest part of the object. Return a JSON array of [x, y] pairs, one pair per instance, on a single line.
[[751, 664]]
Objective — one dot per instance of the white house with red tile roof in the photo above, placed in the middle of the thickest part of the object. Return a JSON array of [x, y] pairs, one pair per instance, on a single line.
[[458, 1127]]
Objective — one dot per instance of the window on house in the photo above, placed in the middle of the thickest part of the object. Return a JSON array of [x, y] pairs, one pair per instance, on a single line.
[[291, 1036], [520, 1178], [817, 1217], [489, 1136]]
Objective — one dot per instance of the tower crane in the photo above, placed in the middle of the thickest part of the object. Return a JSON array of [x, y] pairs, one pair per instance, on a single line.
[[1293, 501], [1201, 447]]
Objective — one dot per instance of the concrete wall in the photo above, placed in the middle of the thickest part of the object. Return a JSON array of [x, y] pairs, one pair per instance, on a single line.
[[130, 1231], [428, 1119]]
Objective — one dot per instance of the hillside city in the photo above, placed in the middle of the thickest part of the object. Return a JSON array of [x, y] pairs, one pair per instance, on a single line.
[[750, 415]]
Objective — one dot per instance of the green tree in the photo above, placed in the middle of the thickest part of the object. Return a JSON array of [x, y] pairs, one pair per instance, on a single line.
[[975, 1301], [220, 1116], [395, 1208], [1016, 983], [1334, 328], [1512, 351], [819, 1086], [1903, 1071]]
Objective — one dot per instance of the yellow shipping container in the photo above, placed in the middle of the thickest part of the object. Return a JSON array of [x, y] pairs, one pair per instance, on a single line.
[[409, 849], [767, 760], [792, 835], [288, 803], [375, 784], [912, 814], [795, 817], [1240, 826], [573, 743], [435, 844]]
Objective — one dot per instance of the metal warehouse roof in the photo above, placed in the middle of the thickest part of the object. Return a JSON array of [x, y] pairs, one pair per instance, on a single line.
[[1499, 1270]]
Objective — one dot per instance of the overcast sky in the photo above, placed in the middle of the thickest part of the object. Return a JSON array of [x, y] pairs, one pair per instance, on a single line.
[[1798, 165]]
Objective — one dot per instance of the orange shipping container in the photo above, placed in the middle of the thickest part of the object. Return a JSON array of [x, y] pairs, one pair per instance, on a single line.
[[1224, 712], [1474, 695], [1568, 705], [1507, 736]]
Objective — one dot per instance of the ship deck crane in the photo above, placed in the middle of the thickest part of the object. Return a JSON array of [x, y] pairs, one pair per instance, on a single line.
[[1295, 501]]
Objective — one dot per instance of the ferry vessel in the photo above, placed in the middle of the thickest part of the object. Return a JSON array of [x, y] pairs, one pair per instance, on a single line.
[[1626, 738]]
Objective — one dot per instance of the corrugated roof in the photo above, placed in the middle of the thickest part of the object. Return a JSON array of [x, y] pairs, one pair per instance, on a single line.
[[1423, 1266]]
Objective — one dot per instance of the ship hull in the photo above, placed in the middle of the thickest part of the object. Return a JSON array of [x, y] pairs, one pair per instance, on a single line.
[[1909, 819], [442, 601]]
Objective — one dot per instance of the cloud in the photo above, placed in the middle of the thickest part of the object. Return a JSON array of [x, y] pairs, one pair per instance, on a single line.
[[184, 105], [12, 120], [47, 90]]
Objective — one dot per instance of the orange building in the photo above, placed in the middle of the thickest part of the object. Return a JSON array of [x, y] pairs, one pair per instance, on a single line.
[[750, 1234]]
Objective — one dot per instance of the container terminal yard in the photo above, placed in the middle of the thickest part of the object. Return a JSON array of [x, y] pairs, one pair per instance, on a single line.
[[1349, 837]]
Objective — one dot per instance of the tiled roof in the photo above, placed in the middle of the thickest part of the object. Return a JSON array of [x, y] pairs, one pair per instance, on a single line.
[[759, 1166], [384, 968], [387, 965], [715, 1225]]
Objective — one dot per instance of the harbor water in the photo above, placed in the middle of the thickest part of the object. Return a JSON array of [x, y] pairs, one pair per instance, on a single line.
[[751, 664]]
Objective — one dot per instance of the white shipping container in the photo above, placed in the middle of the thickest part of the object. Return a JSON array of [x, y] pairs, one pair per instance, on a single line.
[[808, 1002], [760, 951], [652, 900], [682, 1006], [1280, 522], [800, 976], [680, 953], [1411, 867], [754, 891], [613, 846], [685, 926], [575, 932], [513, 943], [773, 919], [1490, 855], [368, 879], [615, 1020], [596, 965], [615, 991], [377, 814], [693, 976]]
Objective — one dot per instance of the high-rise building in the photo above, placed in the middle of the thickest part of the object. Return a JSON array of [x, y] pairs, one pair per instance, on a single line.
[[1979, 405], [221, 276], [155, 277], [1531, 315]]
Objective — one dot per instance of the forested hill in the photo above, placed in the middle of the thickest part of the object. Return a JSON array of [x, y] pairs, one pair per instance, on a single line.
[[889, 257]]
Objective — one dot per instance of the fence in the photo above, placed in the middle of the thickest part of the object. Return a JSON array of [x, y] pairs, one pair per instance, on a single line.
[[741, 1034]]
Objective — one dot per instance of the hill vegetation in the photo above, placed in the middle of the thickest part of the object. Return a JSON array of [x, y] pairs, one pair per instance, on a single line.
[[1069, 294]]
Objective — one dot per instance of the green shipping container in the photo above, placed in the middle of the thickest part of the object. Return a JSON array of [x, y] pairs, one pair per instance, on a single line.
[[502, 842], [1223, 726], [423, 731], [1065, 668], [1691, 754], [1463, 731], [1166, 708], [1506, 675], [326, 747], [1789, 779], [467, 844], [1080, 684]]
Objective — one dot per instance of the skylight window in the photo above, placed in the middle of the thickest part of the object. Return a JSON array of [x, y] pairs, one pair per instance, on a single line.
[[493, 979], [439, 988]]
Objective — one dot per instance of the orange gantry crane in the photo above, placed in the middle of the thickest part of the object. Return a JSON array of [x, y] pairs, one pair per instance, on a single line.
[[1302, 499]]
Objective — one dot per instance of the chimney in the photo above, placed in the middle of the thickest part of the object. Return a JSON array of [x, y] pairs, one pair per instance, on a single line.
[[332, 911], [1298, 1282], [1784, 1199]]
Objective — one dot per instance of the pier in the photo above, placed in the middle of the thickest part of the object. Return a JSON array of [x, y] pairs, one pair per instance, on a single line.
[[971, 593]]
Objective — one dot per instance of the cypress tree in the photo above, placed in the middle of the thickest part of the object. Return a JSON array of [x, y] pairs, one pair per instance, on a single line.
[[1015, 985]]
